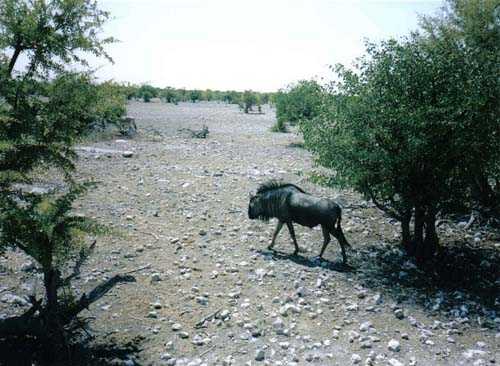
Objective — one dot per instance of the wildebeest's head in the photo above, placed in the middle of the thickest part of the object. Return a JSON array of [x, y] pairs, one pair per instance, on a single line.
[[255, 206]]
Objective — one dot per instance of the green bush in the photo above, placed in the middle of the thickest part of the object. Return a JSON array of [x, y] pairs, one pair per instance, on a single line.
[[147, 92], [417, 123], [297, 102], [110, 102], [248, 100], [230, 97], [195, 95], [147, 96], [279, 126]]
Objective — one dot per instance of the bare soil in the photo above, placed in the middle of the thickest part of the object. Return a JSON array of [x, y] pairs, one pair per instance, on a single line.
[[209, 292]]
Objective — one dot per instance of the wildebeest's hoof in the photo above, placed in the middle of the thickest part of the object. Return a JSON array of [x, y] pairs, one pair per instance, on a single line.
[[296, 252]]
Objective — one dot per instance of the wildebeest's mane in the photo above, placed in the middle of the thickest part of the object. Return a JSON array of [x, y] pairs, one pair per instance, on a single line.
[[273, 184]]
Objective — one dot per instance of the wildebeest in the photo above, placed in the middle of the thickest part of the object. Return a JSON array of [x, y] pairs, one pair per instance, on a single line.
[[289, 203]]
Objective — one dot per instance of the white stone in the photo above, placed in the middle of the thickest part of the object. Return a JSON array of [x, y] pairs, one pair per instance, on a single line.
[[279, 326], [394, 362], [470, 353], [14, 299], [156, 277], [284, 345], [259, 354], [394, 346], [365, 327], [28, 266], [355, 358], [170, 346]]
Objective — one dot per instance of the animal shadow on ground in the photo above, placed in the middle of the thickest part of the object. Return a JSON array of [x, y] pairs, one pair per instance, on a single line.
[[460, 275], [307, 261]]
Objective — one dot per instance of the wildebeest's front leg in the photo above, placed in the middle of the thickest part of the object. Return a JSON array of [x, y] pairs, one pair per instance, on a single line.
[[292, 234], [326, 236], [276, 232]]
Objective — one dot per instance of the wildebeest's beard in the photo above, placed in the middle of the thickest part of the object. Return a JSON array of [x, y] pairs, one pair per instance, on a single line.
[[257, 211], [264, 218]]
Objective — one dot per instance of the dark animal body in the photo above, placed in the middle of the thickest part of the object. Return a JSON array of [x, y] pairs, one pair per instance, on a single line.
[[289, 203]]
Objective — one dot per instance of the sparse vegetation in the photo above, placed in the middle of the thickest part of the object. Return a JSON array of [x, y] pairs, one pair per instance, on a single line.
[[246, 99]]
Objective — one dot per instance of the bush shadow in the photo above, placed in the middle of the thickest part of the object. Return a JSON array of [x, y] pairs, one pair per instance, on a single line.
[[462, 280], [29, 351]]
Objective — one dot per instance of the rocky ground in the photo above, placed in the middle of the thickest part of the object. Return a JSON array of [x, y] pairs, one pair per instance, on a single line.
[[208, 292]]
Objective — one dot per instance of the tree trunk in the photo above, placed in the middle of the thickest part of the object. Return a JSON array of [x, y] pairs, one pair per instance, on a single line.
[[425, 222], [405, 229], [482, 190], [418, 238], [431, 240], [54, 328]]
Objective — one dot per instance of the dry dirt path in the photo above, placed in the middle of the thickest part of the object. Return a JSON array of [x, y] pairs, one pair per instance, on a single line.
[[181, 205]]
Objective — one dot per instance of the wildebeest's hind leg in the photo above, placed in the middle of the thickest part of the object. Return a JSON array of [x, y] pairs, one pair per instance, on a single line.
[[339, 235], [276, 232], [326, 236], [292, 234]]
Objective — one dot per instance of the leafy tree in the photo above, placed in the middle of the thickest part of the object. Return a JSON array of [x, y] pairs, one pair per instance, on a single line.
[[44, 108], [411, 123], [130, 91], [146, 93], [111, 101], [195, 95], [297, 102], [169, 95], [248, 100], [265, 97], [472, 29], [208, 95], [110, 105], [231, 97], [147, 96], [183, 94]]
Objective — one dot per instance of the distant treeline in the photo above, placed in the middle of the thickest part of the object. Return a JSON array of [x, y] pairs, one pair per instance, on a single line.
[[172, 95]]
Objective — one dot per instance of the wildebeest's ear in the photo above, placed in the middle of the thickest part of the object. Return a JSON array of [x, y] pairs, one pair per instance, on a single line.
[[251, 194]]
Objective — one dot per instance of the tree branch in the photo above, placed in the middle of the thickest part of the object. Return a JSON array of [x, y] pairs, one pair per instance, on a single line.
[[84, 255], [97, 293], [384, 208], [13, 60]]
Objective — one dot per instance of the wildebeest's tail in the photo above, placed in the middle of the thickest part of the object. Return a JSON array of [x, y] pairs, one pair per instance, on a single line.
[[339, 229]]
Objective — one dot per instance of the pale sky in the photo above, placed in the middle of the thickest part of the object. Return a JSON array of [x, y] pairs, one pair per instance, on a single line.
[[261, 45]]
